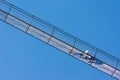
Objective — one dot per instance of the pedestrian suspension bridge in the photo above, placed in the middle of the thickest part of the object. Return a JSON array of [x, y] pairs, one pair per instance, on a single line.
[[59, 39]]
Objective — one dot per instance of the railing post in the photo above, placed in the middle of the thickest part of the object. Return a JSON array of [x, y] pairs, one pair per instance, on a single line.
[[73, 46], [51, 35], [30, 24], [8, 12], [115, 68]]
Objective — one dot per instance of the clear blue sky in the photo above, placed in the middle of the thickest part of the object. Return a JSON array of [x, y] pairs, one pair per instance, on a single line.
[[22, 57]]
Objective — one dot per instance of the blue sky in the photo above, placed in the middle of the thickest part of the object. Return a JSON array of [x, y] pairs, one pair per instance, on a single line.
[[22, 57]]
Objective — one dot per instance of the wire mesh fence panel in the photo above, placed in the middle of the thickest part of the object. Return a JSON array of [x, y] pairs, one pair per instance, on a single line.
[[17, 23], [106, 59], [38, 34], [108, 64], [3, 15], [104, 68], [4, 6], [63, 36], [21, 15], [60, 45], [43, 27]]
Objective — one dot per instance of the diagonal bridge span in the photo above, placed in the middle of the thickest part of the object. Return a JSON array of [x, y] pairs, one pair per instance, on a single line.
[[59, 39]]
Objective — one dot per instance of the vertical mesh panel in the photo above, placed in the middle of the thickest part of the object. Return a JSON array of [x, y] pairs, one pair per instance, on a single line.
[[17, 23], [3, 15], [38, 34], [60, 45]]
